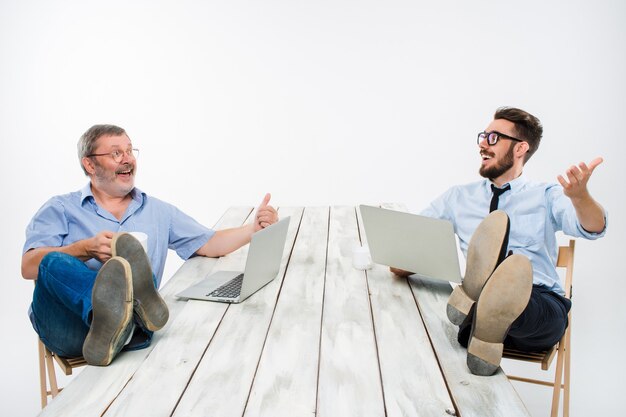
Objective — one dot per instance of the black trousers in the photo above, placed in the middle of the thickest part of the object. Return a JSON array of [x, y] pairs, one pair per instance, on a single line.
[[540, 325]]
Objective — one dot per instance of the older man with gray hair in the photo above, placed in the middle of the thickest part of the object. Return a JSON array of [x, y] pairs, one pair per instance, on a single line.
[[96, 291]]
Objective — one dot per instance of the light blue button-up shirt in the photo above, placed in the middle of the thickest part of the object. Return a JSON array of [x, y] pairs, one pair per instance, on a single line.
[[536, 211], [68, 218]]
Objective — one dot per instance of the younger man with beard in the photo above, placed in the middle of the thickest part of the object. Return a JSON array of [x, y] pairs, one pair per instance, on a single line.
[[95, 284], [511, 294]]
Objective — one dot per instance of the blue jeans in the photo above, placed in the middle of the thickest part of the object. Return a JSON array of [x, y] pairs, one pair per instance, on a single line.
[[61, 307]]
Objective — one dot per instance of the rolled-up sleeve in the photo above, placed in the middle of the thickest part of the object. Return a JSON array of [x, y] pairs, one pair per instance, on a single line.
[[564, 215]]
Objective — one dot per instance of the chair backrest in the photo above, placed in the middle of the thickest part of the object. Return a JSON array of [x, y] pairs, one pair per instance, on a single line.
[[565, 260]]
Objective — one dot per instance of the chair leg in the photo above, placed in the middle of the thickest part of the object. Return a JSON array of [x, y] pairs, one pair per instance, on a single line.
[[43, 383], [558, 374], [52, 376], [568, 352]]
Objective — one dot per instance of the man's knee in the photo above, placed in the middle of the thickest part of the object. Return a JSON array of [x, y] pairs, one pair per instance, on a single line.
[[58, 267], [55, 260]]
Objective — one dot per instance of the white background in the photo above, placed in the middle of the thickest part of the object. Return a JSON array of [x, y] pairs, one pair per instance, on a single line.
[[321, 103]]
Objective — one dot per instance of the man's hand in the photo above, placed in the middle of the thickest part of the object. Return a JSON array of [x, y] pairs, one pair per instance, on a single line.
[[265, 214], [590, 214], [575, 187], [99, 246], [400, 272], [225, 241]]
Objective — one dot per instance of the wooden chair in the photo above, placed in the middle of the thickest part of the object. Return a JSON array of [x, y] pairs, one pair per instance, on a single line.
[[47, 373], [561, 350]]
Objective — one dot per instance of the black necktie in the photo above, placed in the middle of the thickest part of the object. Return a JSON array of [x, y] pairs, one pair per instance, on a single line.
[[496, 195]]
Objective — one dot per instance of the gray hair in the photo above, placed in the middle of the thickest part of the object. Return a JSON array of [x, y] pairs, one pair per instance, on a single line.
[[87, 142]]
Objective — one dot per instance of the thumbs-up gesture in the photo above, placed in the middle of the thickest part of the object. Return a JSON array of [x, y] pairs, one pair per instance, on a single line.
[[265, 214]]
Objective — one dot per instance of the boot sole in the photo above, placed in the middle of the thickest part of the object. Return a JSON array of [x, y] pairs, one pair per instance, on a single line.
[[112, 303], [486, 250], [150, 307], [503, 299]]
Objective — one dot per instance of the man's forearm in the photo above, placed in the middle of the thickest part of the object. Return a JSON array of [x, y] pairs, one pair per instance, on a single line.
[[590, 214], [226, 241], [32, 258]]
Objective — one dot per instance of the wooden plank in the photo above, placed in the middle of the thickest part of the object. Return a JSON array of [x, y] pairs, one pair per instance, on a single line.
[[92, 391], [473, 395], [177, 355], [221, 384], [158, 384], [286, 381], [412, 380], [349, 377], [194, 269]]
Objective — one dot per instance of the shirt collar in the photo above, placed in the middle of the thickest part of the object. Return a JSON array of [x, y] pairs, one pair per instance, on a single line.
[[516, 184], [86, 193]]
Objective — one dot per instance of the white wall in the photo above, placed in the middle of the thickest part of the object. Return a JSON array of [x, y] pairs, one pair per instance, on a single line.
[[326, 102]]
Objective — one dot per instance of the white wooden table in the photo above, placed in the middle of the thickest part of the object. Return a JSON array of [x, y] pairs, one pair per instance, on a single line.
[[321, 339]]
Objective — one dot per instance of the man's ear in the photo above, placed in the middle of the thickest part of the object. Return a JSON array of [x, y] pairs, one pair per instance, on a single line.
[[88, 165], [522, 149]]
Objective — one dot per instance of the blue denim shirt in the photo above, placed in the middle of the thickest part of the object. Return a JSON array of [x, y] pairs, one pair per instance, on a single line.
[[536, 210], [67, 218]]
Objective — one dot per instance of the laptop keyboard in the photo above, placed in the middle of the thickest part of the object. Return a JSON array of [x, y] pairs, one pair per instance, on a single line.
[[231, 289]]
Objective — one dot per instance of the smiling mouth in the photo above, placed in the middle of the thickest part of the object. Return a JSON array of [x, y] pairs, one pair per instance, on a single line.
[[486, 156], [125, 171]]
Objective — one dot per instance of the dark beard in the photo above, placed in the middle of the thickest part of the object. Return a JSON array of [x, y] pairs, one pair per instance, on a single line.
[[501, 167]]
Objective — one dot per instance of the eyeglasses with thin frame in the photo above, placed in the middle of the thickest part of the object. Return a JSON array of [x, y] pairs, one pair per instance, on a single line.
[[118, 154], [493, 137]]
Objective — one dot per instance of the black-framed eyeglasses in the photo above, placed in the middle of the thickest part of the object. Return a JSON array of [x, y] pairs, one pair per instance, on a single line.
[[118, 154], [493, 137]]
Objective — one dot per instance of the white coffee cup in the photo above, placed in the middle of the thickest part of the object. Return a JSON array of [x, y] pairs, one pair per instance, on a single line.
[[142, 238], [361, 258]]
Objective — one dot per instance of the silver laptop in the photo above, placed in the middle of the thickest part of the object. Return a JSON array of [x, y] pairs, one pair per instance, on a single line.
[[423, 245], [262, 265]]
